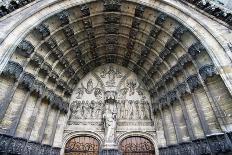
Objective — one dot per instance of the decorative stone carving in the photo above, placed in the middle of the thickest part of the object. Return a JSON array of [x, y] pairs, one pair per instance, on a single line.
[[25, 48], [85, 10], [112, 18], [160, 19], [184, 59], [171, 44], [68, 31], [37, 59], [195, 49], [139, 10], [172, 96], [154, 31], [111, 28], [193, 82], [135, 23], [64, 62], [54, 76], [164, 53], [207, 71], [63, 16], [112, 5], [16, 146], [179, 31], [32, 148], [13, 70], [182, 88], [27, 80], [51, 43], [4, 142], [43, 30], [46, 68], [39, 87]]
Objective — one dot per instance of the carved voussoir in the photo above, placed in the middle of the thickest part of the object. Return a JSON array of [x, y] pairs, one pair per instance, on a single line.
[[85, 10], [13, 70], [207, 71], [43, 30], [27, 80], [195, 49], [63, 16], [39, 87], [182, 88], [112, 18], [112, 5], [193, 82], [161, 19], [179, 31], [37, 59], [25, 48], [46, 68], [139, 10]]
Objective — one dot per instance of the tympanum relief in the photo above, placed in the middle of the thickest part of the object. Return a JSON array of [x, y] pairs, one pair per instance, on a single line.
[[110, 99]]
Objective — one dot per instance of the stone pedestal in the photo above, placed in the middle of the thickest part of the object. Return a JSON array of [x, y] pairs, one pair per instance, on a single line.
[[110, 152]]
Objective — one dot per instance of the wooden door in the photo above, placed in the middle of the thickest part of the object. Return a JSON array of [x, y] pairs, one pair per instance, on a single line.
[[137, 146], [84, 145]]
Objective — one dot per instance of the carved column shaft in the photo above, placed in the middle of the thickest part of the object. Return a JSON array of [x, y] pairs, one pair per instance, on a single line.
[[176, 125], [166, 134], [54, 128]]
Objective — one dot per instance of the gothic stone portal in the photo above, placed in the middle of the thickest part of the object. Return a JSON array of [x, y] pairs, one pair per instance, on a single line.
[[110, 101]]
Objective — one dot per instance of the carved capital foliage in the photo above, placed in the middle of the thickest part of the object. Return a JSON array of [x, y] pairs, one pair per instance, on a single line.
[[43, 30], [25, 48], [112, 5], [195, 49], [27, 80], [13, 70], [139, 10], [161, 19], [85, 10], [63, 16], [39, 87], [193, 82], [37, 59], [207, 71]]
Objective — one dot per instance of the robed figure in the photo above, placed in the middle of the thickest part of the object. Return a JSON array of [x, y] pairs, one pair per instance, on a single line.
[[109, 119]]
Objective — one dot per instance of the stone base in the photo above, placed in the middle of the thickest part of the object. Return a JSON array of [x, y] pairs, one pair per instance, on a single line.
[[110, 152]]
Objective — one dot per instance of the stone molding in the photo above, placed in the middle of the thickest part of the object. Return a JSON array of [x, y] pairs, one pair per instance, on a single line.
[[17, 145]]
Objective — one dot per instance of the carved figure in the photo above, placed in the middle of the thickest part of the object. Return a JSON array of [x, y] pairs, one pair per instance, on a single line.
[[131, 84], [109, 119]]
